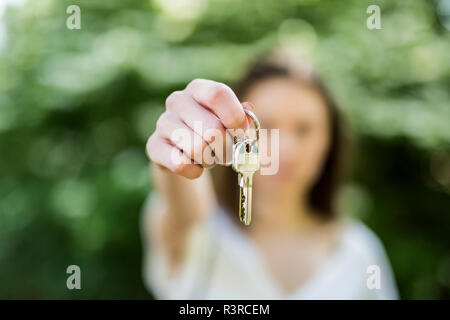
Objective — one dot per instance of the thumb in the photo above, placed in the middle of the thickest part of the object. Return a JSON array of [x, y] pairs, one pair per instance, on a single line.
[[248, 106]]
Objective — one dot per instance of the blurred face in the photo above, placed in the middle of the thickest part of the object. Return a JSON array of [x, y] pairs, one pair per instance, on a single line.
[[300, 114]]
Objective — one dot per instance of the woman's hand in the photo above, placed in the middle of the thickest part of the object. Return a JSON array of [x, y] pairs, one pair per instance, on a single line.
[[202, 108], [200, 115]]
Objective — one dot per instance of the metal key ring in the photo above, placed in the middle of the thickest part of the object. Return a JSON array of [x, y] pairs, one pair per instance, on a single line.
[[255, 122]]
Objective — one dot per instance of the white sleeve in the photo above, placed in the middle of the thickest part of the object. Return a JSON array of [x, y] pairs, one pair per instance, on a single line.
[[377, 266], [190, 276], [388, 289]]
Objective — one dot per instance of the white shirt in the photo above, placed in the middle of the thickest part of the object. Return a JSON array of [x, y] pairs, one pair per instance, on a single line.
[[222, 263]]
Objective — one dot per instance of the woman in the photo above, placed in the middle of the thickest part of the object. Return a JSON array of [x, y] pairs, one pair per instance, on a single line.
[[296, 246]]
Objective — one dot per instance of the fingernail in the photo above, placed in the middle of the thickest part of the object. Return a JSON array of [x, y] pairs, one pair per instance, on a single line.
[[248, 105]]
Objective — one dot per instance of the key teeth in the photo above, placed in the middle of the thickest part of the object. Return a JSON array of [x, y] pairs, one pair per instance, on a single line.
[[242, 215]]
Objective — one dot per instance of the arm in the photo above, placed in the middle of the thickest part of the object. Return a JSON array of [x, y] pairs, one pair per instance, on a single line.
[[183, 187], [182, 203]]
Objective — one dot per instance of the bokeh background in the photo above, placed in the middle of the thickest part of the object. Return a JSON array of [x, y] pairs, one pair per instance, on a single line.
[[76, 108]]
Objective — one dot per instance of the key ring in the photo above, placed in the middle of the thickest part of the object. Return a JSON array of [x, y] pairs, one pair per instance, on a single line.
[[257, 127], [255, 122]]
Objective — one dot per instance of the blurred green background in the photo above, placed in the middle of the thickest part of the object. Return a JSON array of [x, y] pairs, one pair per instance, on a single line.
[[76, 108]]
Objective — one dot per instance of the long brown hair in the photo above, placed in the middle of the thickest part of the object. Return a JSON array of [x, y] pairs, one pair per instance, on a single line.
[[322, 196]]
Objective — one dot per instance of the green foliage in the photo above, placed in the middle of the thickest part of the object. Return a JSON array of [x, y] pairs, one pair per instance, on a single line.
[[76, 107]]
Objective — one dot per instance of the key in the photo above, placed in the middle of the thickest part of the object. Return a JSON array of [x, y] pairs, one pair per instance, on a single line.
[[246, 163]]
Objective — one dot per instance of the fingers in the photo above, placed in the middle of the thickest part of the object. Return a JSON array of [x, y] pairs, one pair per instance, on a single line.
[[192, 133], [172, 128], [202, 121], [162, 153], [221, 100]]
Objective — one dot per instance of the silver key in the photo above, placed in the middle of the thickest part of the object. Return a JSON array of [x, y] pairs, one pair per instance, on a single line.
[[246, 163]]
